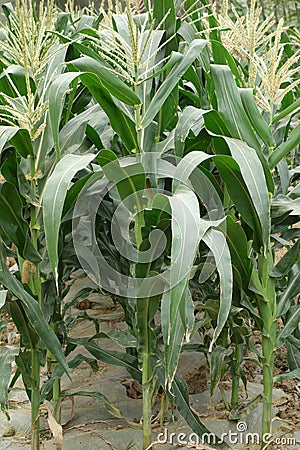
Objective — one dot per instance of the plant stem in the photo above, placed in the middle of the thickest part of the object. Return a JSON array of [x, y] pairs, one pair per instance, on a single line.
[[57, 400], [35, 284], [236, 375], [56, 395], [267, 311], [268, 369], [144, 346], [35, 400], [147, 403]]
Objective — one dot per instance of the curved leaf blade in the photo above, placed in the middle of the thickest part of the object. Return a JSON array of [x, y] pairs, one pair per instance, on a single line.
[[54, 196], [216, 242], [107, 78], [33, 311], [171, 81]]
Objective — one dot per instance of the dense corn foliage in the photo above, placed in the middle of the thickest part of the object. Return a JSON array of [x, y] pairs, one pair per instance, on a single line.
[[159, 152]]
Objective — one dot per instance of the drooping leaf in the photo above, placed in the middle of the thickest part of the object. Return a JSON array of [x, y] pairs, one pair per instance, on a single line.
[[237, 413], [237, 242], [187, 230], [233, 113], [291, 324], [248, 191], [285, 147], [3, 295], [230, 106], [191, 118], [109, 80], [254, 178], [18, 137], [7, 357], [171, 80], [295, 374], [293, 355], [218, 356], [291, 291], [110, 356], [256, 118], [54, 196], [100, 398], [32, 310], [282, 204], [17, 312], [191, 418], [13, 223], [57, 92], [121, 122], [130, 179], [216, 242], [285, 264]]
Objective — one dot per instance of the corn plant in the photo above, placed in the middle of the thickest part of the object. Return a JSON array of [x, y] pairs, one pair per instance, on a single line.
[[30, 59], [134, 146], [136, 83]]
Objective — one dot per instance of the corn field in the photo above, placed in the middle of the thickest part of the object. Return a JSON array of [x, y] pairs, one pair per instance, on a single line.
[[154, 148]]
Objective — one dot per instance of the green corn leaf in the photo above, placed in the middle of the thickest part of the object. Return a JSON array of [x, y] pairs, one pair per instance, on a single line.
[[215, 124], [130, 179], [123, 338], [293, 354], [3, 295], [228, 58], [187, 230], [248, 190], [54, 197], [18, 137], [17, 312], [171, 81], [230, 106], [191, 418], [109, 80], [293, 108], [234, 116], [13, 79], [238, 245], [218, 356], [100, 398], [239, 193], [256, 119], [287, 261], [121, 123], [110, 356], [57, 92], [254, 178], [215, 35], [291, 291], [32, 311], [7, 357], [282, 204], [164, 13], [191, 118], [285, 148], [238, 413], [295, 374], [216, 242], [13, 224], [58, 372], [290, 326]]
